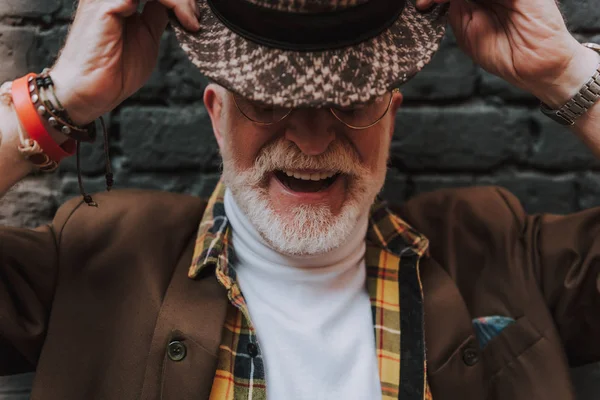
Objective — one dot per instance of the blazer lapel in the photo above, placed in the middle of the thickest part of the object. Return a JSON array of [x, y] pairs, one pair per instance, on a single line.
[[183, 355], [452, 351]]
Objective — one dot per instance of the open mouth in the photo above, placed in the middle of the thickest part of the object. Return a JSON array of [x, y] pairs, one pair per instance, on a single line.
[[306, 182]]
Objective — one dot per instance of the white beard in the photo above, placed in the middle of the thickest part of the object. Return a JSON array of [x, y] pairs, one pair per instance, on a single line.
[[307, 229]]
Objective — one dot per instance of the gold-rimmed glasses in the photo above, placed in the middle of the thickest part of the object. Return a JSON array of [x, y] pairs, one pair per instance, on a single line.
[[361, 117]]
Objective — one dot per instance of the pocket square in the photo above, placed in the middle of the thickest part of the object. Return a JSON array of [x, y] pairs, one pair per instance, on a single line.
[[486, 328]]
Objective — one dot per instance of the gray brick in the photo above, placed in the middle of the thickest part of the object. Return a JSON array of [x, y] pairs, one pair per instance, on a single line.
[[92, 154], [175, 79], [192, 183], [475, 137], [47, 45], [586, 380], [67, 9], [539, 193], [16, 45], [451, 74], [69, 186], [556, 147], [30, 203], [25, 49], [395, 187], [185, 80], [156, 139], [589, 185], [491, 85], [429, 183], [581, 15], [205, 185], [29, 8]]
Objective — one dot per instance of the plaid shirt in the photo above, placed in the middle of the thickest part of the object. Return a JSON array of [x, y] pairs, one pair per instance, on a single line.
[[393, 283]]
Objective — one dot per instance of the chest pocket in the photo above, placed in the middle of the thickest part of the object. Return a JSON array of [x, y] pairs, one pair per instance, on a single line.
[[520, 363], [504, 347]]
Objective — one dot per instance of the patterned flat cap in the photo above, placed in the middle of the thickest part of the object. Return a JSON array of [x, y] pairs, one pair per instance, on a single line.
[[312, 53]]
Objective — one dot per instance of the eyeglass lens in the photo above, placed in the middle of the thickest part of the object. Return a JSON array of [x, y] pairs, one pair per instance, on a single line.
[[359, 116], [259, 113], [366, 114]]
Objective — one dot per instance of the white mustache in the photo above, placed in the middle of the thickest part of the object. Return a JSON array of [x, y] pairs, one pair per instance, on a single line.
[[285, 155]]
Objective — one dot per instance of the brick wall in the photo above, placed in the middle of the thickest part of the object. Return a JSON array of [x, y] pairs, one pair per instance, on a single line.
[[460, 126]]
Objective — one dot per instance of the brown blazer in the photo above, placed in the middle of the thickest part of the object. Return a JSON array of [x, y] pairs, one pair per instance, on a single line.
[[92, 300]]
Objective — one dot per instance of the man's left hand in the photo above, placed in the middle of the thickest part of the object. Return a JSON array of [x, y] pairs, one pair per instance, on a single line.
[[525, 42]]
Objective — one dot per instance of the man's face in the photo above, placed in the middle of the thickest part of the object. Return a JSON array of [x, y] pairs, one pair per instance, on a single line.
[[302, 182]]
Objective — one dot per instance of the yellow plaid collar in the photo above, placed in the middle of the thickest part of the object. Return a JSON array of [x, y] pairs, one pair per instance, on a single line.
[[392, 257], [386, 231]]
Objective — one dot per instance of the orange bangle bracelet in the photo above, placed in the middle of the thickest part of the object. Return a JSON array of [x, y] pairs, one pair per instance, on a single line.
[[32, 122]]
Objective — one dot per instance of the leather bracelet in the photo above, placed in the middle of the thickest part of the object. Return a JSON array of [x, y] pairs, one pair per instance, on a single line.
[[29, 148], [60, 107], [31, 121], [56, 117], [18, 95]]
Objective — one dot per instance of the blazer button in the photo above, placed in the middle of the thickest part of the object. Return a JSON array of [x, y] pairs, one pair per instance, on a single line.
[[470, 356], [176, 350]]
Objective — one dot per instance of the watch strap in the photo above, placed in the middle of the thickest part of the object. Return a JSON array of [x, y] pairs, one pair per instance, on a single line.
[[587, 96]]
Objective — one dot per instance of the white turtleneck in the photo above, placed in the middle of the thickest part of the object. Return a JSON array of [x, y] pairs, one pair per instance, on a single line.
[[312, 315]]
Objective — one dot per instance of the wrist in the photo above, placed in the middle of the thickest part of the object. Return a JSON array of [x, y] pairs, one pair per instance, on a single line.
[[581, 66], [75, 108], [16, 166]]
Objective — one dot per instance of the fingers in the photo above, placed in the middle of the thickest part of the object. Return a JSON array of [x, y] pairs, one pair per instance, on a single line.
[[426, 4], [124, 8], [186, 11], [155, 18]]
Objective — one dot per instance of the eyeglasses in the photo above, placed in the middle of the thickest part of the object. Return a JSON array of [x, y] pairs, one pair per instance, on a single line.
[[360, 117]]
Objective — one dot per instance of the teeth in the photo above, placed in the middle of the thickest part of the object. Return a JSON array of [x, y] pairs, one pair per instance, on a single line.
[[310, 177]]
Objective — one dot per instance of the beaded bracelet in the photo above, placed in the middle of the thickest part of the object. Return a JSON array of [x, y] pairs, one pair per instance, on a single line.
[[56, 115], [40, 149], [33, 124]]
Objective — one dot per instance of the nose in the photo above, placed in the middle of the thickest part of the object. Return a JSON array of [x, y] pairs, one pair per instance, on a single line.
[[312, 130]]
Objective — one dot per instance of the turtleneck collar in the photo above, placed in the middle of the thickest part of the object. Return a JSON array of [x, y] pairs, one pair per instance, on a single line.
[[249, 244]]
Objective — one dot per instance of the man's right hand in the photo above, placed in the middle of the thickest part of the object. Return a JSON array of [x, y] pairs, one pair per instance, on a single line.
[[111, 51]]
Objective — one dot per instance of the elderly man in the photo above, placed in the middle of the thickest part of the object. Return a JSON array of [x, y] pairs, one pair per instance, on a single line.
[[294, 281]]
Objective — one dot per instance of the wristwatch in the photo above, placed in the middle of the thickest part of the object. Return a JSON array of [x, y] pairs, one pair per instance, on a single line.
[[587, 96]]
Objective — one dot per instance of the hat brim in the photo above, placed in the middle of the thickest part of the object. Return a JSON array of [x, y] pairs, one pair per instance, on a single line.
[[341, 77]]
